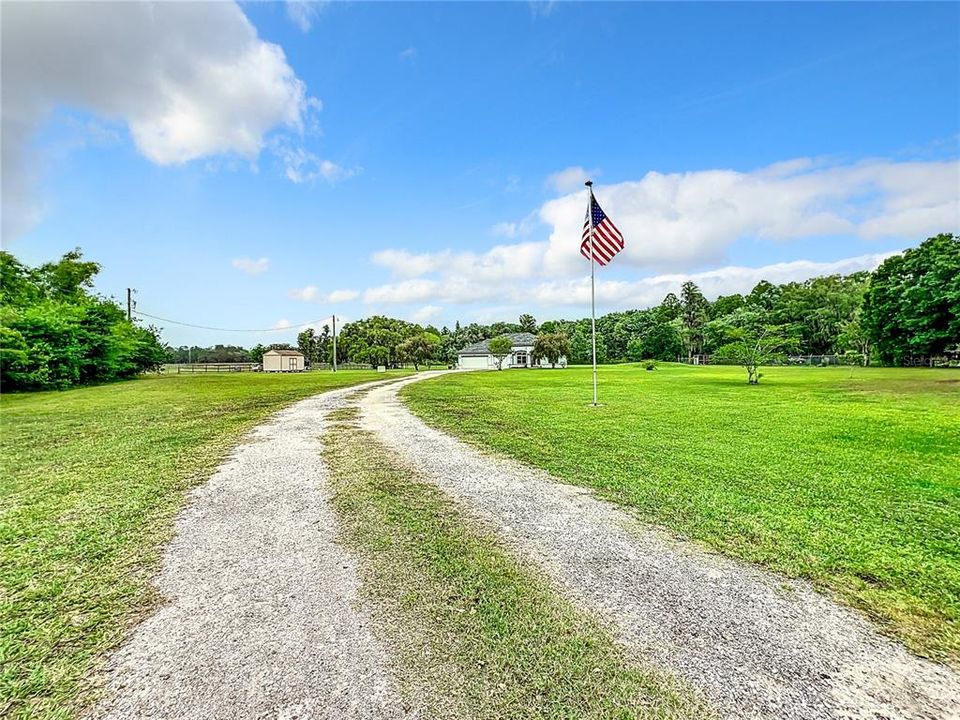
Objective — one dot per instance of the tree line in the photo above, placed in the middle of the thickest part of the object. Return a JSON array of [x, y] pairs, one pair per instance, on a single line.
[[908, 307], [55, 333]]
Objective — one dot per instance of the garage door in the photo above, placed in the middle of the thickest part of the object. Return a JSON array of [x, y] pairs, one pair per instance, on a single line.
[[472, 362]]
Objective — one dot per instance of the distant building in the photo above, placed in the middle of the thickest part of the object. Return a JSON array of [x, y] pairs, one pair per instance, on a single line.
[[478, 357], [283, 361]]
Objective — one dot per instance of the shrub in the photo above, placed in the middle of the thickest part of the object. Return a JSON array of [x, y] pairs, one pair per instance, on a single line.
[[55, 333]]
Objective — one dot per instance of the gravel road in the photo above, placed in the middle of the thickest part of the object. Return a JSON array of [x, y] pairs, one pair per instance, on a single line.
[[262, 619], [758, 645]]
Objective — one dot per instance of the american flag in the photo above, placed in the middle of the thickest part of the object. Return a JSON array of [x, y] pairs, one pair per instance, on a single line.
[[607, 240]]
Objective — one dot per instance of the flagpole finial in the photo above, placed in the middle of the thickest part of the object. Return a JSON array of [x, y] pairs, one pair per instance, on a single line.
[[589, 183]]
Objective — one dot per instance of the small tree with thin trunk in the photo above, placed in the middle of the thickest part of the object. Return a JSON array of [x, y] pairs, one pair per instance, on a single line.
[[500, 347], [418, 349], [753, 349], [853, 336]]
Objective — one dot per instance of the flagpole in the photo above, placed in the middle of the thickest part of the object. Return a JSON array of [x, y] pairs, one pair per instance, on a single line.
[[593, 296]]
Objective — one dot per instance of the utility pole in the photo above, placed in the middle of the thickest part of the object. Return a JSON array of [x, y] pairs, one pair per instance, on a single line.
[[334, 343], [129, 305]]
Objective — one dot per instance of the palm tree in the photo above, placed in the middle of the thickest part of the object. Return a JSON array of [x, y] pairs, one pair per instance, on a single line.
[[528, 323]]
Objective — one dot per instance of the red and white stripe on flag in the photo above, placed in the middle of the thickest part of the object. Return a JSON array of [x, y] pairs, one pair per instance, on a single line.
[[607, 240]]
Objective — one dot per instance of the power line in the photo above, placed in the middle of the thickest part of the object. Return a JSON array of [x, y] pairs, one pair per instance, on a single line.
[[221, 329]]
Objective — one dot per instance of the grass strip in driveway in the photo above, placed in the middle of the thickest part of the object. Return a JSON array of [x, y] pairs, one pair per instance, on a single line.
[[90, 481], [476, 633]]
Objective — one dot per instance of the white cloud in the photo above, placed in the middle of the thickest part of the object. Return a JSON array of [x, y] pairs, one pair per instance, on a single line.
[[541, 8], [691, 219], [409, 54], [680, 223], [406, 264], [570, 179], [188, 80], [307, 294], [407, 291], [424, 315], [332, 172], [505, 229], [282, 324], [721, 281], [610, 293], [311, 293], [301, 165], [303, 12], [516, 229], [338, 296], [251, 266], [515, 261]]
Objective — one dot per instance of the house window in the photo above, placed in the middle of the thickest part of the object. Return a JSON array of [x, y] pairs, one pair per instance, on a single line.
[[520, 358]]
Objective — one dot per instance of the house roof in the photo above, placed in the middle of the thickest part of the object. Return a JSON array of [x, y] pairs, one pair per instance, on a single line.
[[521, 339], [284, 353]]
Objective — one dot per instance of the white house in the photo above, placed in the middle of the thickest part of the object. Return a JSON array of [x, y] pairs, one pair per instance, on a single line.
[[283, 361], [478, 357]]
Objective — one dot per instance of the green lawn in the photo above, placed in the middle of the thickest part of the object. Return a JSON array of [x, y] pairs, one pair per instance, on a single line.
[[91, 481], [849, 477]]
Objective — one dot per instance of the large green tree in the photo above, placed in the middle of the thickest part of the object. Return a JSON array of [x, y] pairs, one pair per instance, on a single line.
[[375, 340], [662, 341], [453, 341], [57, 333], [913, 304], [212, 354], [620, 328], [419, 348], [764, 296], [818, 309], [670, 308], [316, 347], [305, 344], [551, 347], [581, 345], [726, 304]]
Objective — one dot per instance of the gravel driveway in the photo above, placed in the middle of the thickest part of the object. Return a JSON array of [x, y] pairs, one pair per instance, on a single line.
[[758, 645], [262, 619]]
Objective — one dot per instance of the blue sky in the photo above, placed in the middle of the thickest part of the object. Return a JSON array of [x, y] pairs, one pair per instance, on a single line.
[[268, 164]]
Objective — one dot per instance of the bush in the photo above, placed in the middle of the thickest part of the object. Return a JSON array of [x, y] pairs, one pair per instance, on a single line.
[[55, 333], [649, 364]]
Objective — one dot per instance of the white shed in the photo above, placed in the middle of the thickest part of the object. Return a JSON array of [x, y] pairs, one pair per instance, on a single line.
[[283, 361]]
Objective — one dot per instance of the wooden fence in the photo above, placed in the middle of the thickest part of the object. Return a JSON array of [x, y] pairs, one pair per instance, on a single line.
[[854, 359], [209, 367], [952, 360], [340, 366]]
